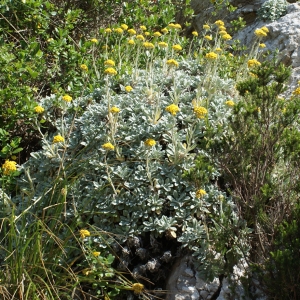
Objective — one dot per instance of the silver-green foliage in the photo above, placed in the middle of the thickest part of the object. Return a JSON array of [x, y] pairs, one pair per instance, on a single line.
[[135, 189], [272, 9]]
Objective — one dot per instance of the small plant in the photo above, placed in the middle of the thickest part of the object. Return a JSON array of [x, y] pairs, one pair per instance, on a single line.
[[272, 10]]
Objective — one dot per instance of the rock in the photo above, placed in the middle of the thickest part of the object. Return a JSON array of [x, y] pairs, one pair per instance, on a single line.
[[188, 272], [204, 294]]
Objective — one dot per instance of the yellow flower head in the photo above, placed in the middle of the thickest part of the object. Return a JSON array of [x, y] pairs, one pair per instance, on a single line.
[[131, 31], [124, 26], [208, 37], [67, 98], [262, 45], [148, 45], [110, 71], [96, 253], [147, 33], [109, 63], [211, 55], [144, 28], [162, 44], [253, 63], [131, 42], [222, 28], [84, 67], [195, 33], [58, 139], [296, 91], [218, 50], [177, 47], [150, 143], [229, 103], [119, 30], [50, 40], [206, 27], [140, 37], [107, 30], [200, 112], [173, 109], [226, 37], [137, 288], [222, 32], [200, 193], [172, 63], [115, 110], [165, 30], [95, 41], [9, 167], [84, 233], [265, 29], [174, 26], [219, 23], [128, 88], [260, 33], [108, 146], [157, 34], [39, 109]]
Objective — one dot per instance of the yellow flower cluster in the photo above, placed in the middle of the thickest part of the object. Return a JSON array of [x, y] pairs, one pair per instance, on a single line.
[[173, 109], [131, 31], [206, 27], [200, 193], [84, 233], [131, 42], [162, 44], [195, 33], [140, 37], [144, 28], [84, 67], [253, 63], [226, 37], [164, 30], [115, 110], [95, 41], [109, 63], [262, 45], [172, 63], [211, 55], [67, 98], [208, 37], [177, 47], [124, 26], [110, 71], [200, 112], [157, 34], [58, 139], [296, 91], [148, 45], [150, 143], [261, 32], [219, 23], [147, 33], [9, 167], [107, 30], [96, 253], [137, 288], [128, 88], [118, 30], [229, 103], [108, 146], [174, 26], [39, 109]]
